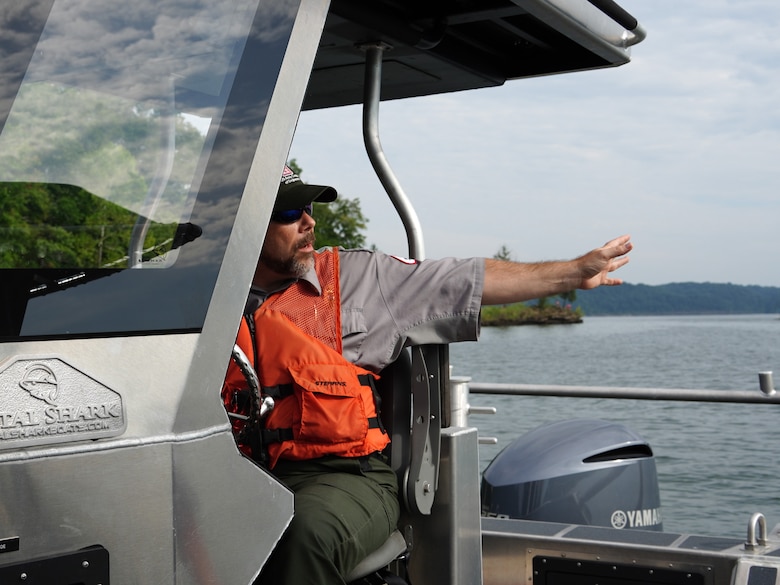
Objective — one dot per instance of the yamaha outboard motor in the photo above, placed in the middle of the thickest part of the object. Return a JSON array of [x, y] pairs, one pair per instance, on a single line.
[[589, 472]]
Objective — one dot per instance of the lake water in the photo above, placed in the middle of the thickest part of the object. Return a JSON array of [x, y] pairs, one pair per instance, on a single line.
[[717, 463]]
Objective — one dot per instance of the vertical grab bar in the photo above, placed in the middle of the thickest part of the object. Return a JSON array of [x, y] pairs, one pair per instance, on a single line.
[[371, 97]]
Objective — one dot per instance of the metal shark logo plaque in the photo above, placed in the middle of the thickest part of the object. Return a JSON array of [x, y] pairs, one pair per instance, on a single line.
[[46, 400]]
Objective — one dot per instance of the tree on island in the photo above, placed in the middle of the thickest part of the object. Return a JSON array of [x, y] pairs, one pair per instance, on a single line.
[[541, 313]]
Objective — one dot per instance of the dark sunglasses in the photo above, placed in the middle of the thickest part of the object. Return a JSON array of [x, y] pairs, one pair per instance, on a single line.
[[291, 215]]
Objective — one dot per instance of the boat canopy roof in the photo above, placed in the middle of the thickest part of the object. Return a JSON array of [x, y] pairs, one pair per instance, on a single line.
[[436, 46]]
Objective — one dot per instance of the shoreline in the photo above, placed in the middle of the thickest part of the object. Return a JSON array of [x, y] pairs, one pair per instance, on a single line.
[[505, 317]]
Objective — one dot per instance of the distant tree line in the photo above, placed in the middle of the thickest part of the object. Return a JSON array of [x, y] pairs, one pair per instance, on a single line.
[[682, 298]]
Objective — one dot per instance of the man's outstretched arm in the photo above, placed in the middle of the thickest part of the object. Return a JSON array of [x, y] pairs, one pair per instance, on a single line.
[[512, 282]]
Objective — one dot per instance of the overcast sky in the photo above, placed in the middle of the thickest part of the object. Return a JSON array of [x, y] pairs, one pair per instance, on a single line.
[[679, 148]]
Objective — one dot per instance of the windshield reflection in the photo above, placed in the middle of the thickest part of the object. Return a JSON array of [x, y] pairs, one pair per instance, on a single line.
[[127, 130]]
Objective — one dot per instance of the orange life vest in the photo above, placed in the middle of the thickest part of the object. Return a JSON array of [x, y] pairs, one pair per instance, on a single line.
[[324, 405]]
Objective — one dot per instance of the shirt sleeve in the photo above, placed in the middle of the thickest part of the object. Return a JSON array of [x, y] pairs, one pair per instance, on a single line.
[[389, 303]]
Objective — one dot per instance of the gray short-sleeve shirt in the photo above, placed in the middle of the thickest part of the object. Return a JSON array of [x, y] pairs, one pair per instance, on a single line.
[[388, 303]]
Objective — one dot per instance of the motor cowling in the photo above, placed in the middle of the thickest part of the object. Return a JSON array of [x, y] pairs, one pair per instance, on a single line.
[[580, 471]]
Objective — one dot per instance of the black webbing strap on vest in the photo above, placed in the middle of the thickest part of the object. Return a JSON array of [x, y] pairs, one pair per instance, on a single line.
[[281, 435], [370, 381], [283, 390], [276, 435], [279, 391]]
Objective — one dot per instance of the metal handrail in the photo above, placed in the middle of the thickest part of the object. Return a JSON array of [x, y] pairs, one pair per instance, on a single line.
[[461, 387], [371, 98], [672, 394]]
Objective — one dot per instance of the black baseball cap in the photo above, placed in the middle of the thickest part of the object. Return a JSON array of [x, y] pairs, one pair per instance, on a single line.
[[295, 194]]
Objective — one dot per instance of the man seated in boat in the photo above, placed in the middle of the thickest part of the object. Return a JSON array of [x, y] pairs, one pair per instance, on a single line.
[[319, 325]]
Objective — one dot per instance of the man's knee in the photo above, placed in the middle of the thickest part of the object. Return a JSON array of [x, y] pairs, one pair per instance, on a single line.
[[313, 529]]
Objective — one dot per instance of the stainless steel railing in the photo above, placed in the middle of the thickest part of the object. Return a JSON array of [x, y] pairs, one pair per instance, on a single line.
[[462, 387]]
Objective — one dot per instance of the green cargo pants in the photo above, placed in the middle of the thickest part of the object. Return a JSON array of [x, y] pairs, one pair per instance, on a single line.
[[344, 510]]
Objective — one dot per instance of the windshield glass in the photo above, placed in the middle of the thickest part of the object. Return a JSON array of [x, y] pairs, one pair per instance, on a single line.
[[125, 139]]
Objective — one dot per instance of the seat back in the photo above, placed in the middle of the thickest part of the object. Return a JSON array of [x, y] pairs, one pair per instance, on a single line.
[[396, 411], [411, 390]]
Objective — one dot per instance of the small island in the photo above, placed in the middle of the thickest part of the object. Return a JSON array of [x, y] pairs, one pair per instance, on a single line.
[[543, 312], [522, 314]]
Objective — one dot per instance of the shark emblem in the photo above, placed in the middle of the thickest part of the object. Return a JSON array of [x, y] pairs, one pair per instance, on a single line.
[[41, 383]]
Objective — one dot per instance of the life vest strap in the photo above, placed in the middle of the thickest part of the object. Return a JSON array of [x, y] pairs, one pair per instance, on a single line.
[[279, 391], [276, 435], [285, 390], [366, 380], [370, 381], [281, 435]]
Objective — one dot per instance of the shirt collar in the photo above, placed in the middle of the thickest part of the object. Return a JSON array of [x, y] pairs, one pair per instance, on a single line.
[[257, 296]]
